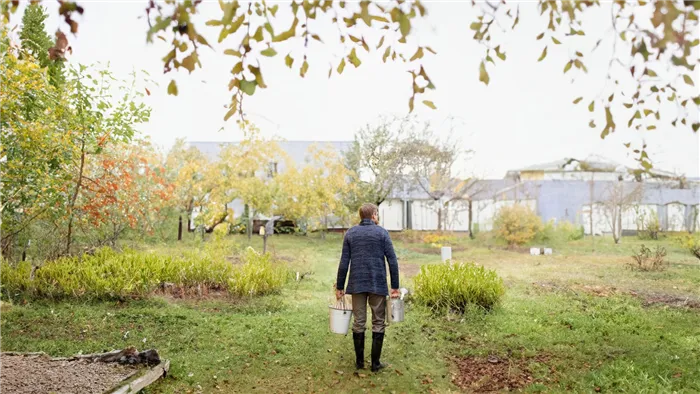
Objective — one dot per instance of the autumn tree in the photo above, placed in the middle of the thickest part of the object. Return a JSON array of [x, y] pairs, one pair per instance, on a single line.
[[97, 121], [618, 198], [36, 42], [312, 192], [433, 162], [35, 147], [653, 44], [377, 161], [187, 170], [247, 170]]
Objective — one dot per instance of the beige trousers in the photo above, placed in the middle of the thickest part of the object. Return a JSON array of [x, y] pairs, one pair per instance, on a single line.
[[377, 304]]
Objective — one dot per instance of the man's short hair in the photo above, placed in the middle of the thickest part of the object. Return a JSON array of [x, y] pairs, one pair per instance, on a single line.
[[367, 211]]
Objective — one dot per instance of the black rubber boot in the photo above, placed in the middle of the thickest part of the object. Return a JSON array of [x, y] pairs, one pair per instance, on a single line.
[[377, 343], [358, 338]]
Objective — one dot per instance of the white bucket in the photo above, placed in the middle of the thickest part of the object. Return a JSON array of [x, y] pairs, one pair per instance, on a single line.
[[397, 310], [339, 320]]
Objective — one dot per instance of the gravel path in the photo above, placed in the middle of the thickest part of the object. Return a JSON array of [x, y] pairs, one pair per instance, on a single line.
[[38, 374]]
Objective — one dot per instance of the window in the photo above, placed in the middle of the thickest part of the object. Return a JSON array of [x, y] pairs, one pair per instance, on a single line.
[[272, 170]]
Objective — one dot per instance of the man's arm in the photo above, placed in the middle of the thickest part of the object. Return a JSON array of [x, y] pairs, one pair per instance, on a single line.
[[393, 263], [344, 264]]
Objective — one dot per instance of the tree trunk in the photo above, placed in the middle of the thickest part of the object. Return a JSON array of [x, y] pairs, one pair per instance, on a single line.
[[439, 223], [469, 223], [591, 215], [179, 229], [619, 224], [265, 243], [69, 236], [249, 224]]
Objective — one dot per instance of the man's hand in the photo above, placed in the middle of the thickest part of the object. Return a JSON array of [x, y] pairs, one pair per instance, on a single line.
[[394, 293], [339, 294]]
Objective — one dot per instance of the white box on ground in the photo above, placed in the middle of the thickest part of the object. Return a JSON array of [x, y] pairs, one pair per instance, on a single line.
[[547, 251], [446, 253], [535, 251]]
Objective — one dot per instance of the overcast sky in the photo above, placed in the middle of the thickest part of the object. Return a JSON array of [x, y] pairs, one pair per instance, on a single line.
[[524, 117]]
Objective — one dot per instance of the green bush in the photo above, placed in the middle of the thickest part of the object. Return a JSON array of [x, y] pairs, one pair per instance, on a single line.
[[517, 224], [258, 275], [458, 286], [111, 275], [561, 232]]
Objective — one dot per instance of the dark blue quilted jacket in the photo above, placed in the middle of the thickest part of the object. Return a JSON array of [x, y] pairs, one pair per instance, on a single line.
[[365, 249]]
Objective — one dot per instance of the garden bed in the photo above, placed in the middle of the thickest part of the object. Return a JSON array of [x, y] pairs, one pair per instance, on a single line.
[[114, 372]]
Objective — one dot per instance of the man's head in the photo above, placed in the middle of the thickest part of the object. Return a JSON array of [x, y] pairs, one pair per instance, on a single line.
[[369, 211]]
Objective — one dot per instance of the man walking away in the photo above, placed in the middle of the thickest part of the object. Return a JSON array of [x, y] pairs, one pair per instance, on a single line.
[[366, 249]]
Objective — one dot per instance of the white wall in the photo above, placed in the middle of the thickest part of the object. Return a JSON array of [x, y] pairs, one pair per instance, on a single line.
[[634, 218], [601, 224], [423, 215], [675, 217], [391, 215], [458, 216]]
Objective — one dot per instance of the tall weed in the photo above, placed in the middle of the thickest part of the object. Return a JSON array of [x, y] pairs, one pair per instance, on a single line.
[[458, 287]]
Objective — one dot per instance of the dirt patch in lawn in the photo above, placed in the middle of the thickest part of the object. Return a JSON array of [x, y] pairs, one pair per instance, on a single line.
[[39, 374], [648, 299], [410, 270], [491, 374]]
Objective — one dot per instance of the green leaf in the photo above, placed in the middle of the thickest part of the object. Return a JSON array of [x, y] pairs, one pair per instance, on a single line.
[[352, 57], [214, 22], [539, 37], [269, 52], [248, 87], [543, 55], [578, 100], [483, 75], [650, 73], [429, 49], [476, 26], [501, 55], [172, 88], [628, 105], [651, 127], [190, 61], [341, 66], [648, 112], [381, 42], [288, 60], [258, 76], [304, 68], [273, 9], [429, 104], [555, 41], [404, 24], [568, 66], [591, 106], [287, 34], [695, 126], [232, 52], [387, 52], [258, 36], [417, 55], [591, 124], [688, 80], [410, 104], [232, 109]]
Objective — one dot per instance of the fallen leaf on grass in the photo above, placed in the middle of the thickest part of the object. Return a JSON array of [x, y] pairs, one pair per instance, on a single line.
[[360, 375], [398, 372], [677, 375], [339, 372]]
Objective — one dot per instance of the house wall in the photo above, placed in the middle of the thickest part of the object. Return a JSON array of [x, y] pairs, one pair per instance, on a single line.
[[391, 214], [424, 216], [458, 216], [675, 217]]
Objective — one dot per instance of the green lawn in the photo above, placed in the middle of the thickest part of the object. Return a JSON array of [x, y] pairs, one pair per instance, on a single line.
[[577, 321]]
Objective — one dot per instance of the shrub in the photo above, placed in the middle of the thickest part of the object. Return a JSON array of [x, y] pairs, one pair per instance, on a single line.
[[517, 224], [437, 240], [458, 286], [258, 275], [649, 228], [111, 275], [691, 244], [646, 260], [561, 232]]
